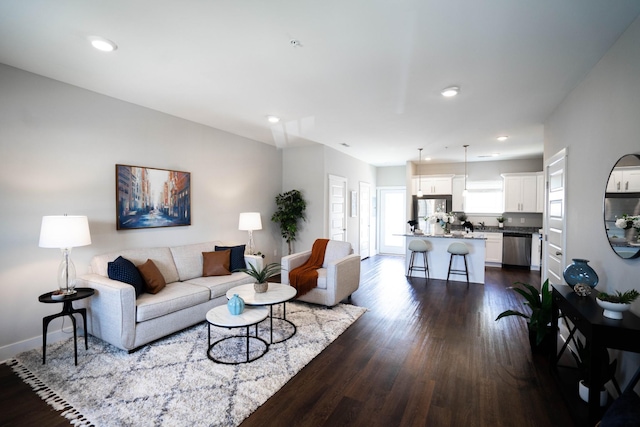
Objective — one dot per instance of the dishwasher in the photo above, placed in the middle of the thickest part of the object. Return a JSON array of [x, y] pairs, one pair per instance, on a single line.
[[516, 250]]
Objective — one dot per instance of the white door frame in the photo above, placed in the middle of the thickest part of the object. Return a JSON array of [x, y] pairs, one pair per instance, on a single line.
[[381, 214], [554, 253], [337, 216], [364, 210]]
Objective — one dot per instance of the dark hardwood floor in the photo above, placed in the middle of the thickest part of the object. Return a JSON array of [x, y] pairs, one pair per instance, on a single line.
[[424, 354]]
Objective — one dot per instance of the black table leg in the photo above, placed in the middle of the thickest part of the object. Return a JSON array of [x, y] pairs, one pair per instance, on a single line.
[[67, 310]]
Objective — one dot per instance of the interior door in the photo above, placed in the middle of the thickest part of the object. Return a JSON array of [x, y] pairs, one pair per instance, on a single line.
[[337, 208], [365, 219], [555, 219], [392, 208]]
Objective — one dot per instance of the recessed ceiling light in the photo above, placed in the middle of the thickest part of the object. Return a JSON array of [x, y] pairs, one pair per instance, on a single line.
[[502, 138], [427, 159], [103, 44], [495, 154], [450, 91], [273, 119]]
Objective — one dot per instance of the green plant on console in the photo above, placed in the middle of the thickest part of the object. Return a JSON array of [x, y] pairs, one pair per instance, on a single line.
[[261, 275], [540, 304], [620, 298]]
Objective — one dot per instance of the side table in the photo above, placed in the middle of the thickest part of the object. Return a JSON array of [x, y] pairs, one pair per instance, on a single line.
[[67, 310]]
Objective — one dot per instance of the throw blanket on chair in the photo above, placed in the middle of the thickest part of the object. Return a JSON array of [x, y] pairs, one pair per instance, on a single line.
[[305, 277]]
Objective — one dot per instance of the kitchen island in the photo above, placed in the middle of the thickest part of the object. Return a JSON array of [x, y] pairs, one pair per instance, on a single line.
[[438, 257]]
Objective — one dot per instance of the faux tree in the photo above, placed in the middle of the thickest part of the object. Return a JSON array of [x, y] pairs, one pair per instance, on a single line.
[[291, 206]]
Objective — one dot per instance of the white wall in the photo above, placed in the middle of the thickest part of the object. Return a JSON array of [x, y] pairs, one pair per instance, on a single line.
[[391, 176], [307, 169], [598, 123], [58, 148]]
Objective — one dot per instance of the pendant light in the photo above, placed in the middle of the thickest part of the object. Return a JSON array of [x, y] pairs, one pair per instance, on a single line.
[[465, 192], [420, 194]]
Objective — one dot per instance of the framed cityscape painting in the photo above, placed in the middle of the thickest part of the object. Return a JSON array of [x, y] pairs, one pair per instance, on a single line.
[[150, 198]]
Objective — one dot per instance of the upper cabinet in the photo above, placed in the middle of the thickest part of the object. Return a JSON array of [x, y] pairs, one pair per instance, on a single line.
[[433, 184], [457, 196], [624, 180], [540, 191], [521, 192]]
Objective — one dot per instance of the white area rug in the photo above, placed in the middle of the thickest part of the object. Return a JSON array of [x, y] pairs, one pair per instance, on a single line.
[[172, 382]]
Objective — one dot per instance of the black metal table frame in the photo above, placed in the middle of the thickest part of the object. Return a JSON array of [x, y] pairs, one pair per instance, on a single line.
[[283, 318], [247, 336], [67, 310]]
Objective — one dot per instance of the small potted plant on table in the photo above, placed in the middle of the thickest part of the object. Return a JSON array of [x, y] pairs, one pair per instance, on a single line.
[[617, 303], [262, 275], [500, 220]]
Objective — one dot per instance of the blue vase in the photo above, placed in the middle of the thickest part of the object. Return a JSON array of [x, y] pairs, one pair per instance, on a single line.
[[579, 271], [235, 305]]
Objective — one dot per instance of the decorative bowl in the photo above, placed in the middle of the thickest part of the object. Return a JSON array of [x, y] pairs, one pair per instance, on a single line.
[[613, 310]]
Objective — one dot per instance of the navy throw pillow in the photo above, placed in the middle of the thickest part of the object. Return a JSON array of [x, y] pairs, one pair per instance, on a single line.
[[123, 270], [237, 256]]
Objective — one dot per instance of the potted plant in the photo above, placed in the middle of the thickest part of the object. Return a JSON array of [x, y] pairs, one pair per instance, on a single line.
[[291, 206], [538, 321], [582, 356], [617, 303], [500, 221], [262, 275]]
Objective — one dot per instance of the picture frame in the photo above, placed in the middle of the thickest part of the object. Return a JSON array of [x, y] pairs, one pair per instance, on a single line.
[[152, 198]]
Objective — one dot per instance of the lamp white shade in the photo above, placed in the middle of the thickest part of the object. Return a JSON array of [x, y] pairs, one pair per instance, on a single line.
[[64, 231], [250, 221]]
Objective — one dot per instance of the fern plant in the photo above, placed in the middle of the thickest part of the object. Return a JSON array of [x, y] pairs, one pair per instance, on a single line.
[[620, 298]]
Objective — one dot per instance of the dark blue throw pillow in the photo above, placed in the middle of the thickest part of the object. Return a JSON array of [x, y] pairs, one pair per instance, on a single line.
[[123, 270], [237, 256]]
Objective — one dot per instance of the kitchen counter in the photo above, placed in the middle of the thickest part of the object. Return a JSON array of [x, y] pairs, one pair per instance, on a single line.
[[496, 229], [438, 257]]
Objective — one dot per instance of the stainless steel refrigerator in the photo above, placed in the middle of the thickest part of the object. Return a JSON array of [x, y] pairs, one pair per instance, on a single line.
[[425, 206]]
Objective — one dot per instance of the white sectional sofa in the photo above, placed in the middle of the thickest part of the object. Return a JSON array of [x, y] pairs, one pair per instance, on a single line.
[[116, 316]]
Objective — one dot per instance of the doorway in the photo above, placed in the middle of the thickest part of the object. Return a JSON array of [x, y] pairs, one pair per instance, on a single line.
[[392, 220]]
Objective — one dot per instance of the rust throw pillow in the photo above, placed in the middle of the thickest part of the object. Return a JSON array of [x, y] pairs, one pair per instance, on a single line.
[[216, 263], [153, 279]]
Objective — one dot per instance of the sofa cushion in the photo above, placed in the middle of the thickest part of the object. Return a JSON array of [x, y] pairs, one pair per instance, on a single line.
[[153, 279], [161, 257], [219, 285], [174, 297], [123, 270], [216, 263], [188, 259], [237, 256], [336, 250]]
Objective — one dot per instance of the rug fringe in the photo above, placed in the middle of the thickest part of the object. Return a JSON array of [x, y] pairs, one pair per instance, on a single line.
[[49, 396]]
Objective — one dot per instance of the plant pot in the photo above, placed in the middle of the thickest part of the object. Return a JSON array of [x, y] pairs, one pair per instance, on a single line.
[[500, 225], [260, 288], [583, 391], [545, 345], [613, 310]]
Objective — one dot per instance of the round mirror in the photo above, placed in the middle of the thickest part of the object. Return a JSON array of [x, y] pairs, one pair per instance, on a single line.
[[622, 207]]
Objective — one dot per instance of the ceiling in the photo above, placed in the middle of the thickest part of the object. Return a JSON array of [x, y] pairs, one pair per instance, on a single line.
[[362, 73]]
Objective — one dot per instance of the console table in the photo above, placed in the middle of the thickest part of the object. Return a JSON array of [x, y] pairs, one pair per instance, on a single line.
[[599, 331]]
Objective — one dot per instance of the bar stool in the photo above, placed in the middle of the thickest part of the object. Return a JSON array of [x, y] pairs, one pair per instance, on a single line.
[[418, 246], [458, 249]]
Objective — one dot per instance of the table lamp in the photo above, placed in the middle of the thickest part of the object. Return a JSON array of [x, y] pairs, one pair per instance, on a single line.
[[65, 232], [250, 221]]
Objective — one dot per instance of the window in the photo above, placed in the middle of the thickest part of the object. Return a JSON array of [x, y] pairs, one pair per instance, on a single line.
[[484, 197]]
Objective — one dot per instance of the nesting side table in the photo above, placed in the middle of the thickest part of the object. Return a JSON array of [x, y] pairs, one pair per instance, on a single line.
[[67, 310]]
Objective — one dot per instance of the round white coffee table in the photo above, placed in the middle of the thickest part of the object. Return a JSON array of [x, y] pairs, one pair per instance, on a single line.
[[220, 316], [277, 293]]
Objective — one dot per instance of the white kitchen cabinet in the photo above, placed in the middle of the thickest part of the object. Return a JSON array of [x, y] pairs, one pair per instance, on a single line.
[[520, 192], [540, 189], [433, 184], [624, 180], [493, 252], [457, 197]]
